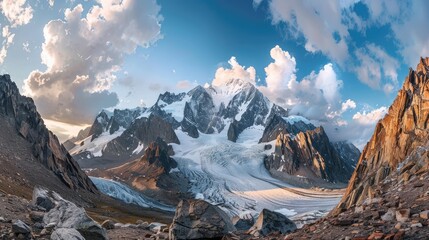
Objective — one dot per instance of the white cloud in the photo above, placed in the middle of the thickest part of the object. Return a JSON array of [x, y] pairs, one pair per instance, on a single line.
[[348, 104], [51, 2], [320, 23], [359, 130], [83, 54], [371, 117], [316, 96], [374, 66], [410, 31], [17, 12], [7, 42], [64, 131], [223, 75]]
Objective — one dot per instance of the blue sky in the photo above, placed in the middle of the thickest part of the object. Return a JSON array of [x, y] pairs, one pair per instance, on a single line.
[[156, 46]]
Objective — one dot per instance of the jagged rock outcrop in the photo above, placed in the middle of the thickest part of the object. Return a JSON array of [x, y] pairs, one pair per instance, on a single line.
[[247, 108], [348, 152], [123, 118], [111, 122], [201, 109], [279, 124], [128, 145], [197, 219], [99, 125], [396, 136], [165, 100], [141, 131], [188, 123], [308, 154], [270, 222], [21, 113]]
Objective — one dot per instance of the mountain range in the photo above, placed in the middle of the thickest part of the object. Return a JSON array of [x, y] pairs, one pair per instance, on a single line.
[[210, 130]]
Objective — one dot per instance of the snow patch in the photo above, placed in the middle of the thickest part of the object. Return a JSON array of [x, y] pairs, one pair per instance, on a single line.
[[96, 146], [139, 148]]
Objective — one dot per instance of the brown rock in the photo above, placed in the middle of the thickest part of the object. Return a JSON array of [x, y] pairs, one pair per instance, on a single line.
[[376, 235], [424, 214], [403, 215]]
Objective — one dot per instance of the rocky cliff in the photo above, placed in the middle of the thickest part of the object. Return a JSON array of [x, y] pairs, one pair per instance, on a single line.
[[20, 113], [387, 196], [309, 155], [396, 136]]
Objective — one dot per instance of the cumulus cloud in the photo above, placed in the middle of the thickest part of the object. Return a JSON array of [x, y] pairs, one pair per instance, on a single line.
[[236, 71], [83, 53], [317, 96], [371, 117], [17, 12]]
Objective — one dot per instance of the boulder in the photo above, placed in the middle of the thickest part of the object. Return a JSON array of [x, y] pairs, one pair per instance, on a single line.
[[269, 222], [243, 223], [66, 234], [66, 214], [42, 199], [197, 219], [19, 227]]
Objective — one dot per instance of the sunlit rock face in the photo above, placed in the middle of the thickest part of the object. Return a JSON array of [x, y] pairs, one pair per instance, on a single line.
[[397, 138]]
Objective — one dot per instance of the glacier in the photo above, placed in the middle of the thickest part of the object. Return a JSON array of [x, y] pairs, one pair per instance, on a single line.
[[233, 177], [125, 193]]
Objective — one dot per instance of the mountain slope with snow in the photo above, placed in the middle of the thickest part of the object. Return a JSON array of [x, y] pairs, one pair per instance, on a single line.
[[220, 136]]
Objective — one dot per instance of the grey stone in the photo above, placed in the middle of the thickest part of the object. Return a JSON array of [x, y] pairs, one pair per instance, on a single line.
[[66, 234], [197, 219], [66, 214], [389, 215], [20, 227]]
